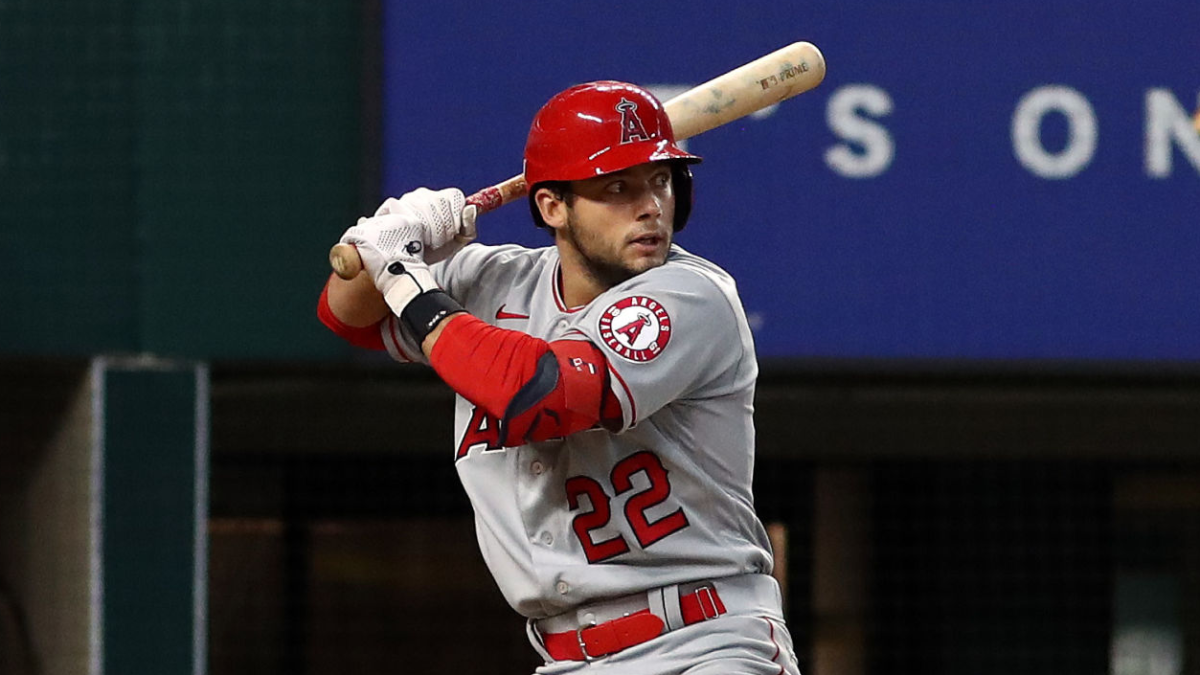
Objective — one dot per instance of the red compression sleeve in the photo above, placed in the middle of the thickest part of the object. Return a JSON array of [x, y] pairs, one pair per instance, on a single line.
[[367, 337], [507, 373]]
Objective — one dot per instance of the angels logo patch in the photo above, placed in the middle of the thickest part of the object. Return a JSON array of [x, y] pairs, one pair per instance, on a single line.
[[636, 328]]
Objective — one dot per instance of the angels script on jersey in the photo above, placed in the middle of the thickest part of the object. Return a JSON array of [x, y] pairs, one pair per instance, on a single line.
[[482, 433]]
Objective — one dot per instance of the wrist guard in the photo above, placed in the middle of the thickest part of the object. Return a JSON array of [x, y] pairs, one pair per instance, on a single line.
[[424, 312]]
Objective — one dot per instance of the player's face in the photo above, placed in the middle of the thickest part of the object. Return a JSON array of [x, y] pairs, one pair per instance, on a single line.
[[620, 224]]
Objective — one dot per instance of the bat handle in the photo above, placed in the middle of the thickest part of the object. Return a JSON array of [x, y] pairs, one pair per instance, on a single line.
[[492, 198], [346, 262]]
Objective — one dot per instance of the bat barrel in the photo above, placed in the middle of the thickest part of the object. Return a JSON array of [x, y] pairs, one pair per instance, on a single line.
[[763, 82]]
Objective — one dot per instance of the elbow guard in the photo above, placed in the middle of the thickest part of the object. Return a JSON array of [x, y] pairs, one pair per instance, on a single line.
[[564, 395]]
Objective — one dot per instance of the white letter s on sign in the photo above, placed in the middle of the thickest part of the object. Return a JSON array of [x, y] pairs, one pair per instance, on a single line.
[[843, 116]]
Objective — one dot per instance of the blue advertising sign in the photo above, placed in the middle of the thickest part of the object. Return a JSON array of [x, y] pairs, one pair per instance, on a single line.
[[1014, 180]]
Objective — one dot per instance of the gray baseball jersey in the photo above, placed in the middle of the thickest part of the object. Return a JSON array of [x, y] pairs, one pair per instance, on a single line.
[[665, 500]]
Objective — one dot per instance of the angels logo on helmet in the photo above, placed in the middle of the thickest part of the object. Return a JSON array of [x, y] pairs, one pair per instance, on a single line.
[[632, 128]]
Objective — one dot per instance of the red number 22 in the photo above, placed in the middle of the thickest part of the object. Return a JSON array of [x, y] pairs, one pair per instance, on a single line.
[[646, 531]]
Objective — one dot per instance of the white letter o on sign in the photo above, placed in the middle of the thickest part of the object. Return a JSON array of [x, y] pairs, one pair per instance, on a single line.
[[1027, 122]]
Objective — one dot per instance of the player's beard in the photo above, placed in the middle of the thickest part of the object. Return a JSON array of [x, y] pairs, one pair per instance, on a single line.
[[600, 262]]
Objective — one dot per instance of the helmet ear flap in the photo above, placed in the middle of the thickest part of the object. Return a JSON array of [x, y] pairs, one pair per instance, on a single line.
[[681, 180]]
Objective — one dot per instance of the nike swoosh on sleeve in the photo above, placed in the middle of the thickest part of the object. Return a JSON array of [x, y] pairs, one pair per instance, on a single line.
[[501, 314]]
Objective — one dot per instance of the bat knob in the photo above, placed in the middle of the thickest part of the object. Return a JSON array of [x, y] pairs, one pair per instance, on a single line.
[[345, 261]]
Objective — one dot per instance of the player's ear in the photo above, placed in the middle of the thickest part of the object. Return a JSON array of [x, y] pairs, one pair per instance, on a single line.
[[552, 206]]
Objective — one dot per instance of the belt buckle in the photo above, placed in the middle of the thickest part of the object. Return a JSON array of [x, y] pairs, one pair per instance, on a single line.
[[582, 646], [709, 592]]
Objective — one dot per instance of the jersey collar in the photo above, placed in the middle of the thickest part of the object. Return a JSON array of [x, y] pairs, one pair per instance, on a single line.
[[558, 292]]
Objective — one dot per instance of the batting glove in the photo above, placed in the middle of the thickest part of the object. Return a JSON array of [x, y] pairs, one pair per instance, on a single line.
[[448, 220], [393, 255]]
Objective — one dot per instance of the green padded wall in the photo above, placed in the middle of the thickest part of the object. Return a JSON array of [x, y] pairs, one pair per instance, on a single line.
[[153, 440], [173, 173], [67, 127], [248, 160]]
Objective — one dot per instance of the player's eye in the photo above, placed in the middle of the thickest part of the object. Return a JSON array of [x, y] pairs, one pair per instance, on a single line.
[[662, 179], [616, 187]]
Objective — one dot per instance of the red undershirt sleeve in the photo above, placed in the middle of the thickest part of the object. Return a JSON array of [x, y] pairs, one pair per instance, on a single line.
[[368, 337], [539, 390]]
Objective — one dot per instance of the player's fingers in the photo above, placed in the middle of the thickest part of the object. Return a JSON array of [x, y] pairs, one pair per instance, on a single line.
[[467, 231], [440, 212]]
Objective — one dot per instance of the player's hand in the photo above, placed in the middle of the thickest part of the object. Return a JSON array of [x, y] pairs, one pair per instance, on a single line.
[[404, 279], [392, 251], [448, 220]]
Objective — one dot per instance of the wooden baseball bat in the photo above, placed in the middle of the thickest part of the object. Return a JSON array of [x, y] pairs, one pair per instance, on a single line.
[[763, 82]]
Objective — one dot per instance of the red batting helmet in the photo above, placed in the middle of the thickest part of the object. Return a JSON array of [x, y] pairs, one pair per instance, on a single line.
[[600, 127]]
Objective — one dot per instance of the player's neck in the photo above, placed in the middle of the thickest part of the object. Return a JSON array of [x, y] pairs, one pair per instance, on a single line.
[[578, 285]]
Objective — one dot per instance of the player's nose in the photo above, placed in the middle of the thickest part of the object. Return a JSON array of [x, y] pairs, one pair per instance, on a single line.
[[649, 205]]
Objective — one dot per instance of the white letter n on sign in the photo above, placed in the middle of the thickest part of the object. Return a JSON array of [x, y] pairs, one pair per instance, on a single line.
[[1167, 121]]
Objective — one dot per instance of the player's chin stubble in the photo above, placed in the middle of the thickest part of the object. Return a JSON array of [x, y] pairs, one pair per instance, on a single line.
[[604, 265]]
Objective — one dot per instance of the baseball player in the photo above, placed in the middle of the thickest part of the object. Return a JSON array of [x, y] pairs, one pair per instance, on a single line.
[[605, 386]]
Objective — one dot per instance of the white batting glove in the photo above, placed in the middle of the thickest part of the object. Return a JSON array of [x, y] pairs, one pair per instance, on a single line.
[[392, 253], [405, 280], [445, 215]]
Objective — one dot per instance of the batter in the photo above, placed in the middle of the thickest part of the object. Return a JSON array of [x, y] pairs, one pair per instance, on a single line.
[[604, 416]]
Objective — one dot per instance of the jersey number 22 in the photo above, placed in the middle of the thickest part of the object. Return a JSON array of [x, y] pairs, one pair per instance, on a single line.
[[646, 531]]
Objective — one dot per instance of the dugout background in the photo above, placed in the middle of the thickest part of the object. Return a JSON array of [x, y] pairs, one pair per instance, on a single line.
[[171, 174]]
